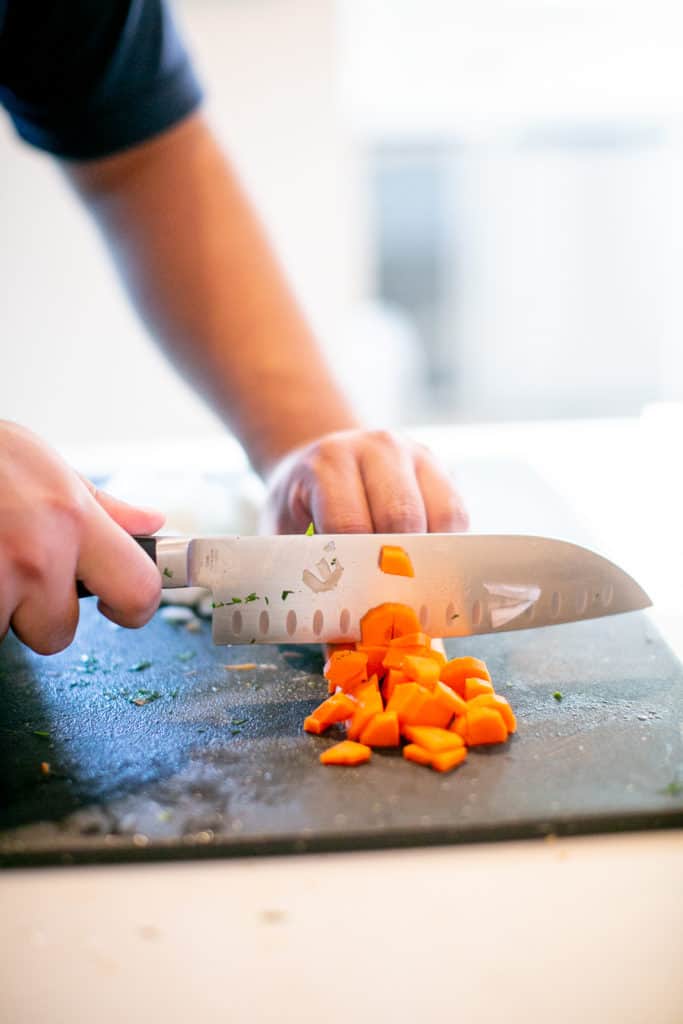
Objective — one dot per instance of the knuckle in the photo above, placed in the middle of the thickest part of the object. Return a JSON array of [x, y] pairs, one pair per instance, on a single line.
[[405, 516], [384, 438], [346, 522]]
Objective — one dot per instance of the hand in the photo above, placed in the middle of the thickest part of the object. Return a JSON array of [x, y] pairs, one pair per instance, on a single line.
[[56, 527], [358, 481]]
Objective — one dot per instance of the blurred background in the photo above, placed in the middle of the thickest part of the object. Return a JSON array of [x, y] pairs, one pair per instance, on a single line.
[[479, 204]]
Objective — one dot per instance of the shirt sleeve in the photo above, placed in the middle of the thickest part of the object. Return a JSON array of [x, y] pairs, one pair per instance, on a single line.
[[88, 78]]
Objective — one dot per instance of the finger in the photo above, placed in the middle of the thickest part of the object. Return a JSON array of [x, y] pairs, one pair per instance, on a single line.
[[393, 494], [445, 508], [47, 615], [131, 518], [115, 568], [332, 496]]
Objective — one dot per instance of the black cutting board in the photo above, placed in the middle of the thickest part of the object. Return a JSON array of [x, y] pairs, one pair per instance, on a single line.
[[217, 763]]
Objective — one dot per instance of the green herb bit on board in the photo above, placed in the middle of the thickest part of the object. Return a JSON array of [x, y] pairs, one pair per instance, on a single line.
[[286, 593], [310, 530], [557, 695], [168, 573], [140, 666]]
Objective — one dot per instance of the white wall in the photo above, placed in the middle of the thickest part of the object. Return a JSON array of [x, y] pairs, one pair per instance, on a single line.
[[76, 365]]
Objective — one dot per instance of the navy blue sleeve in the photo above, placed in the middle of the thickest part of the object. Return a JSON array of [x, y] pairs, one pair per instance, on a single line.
[[88, 78]]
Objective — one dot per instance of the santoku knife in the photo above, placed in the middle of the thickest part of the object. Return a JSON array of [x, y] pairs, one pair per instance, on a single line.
[[315, 589]]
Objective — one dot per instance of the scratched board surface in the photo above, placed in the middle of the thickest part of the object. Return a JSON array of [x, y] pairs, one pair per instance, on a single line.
[[157, 749]]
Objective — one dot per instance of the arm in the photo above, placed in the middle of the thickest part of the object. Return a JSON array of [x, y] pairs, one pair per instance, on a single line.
[[198, 266]]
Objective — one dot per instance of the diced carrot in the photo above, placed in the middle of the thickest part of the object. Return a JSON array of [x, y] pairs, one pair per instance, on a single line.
[[457, 670], [499, 703], [422, 670], [440, 708], [377, 626], [459, 727], [395, 561], [405, 620], [382, 730], [376, 655], [393, 679], [395, 655], [337, 708], [434, 655], [485, 725], [433, 712], [450, 698], [406, 701], [313, 725], [448, 759], [475, 687], [442, 762], [346, 753], [346, 668], [412, 752], [432, 739], [411, 640], [369, 705]]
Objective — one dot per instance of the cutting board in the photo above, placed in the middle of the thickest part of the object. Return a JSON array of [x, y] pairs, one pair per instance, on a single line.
[[212, 760]]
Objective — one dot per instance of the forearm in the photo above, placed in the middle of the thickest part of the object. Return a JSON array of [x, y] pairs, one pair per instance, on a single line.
[[200, 270]]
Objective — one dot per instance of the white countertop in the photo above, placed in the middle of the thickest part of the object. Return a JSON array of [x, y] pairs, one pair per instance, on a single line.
[[566, 930]]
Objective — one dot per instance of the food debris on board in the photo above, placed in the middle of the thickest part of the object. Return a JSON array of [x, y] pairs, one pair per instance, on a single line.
[[394, 685]]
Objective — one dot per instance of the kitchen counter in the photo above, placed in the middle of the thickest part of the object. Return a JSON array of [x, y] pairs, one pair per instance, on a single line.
[[584, 929]]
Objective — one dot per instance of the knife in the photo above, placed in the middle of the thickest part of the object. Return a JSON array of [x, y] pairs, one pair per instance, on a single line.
[[315, 589]]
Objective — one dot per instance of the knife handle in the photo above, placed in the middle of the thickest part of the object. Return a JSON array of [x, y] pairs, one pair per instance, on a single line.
[[148, 545]]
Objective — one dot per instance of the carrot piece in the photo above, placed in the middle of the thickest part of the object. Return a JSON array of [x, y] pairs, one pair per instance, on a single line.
[[406, 701], [449, 698], [448, 759], [459, 727], [440, 708], [438, 656], [382, 730], [337, 708], [442, 762], [369, 705], [411, 640], [395, 655], [432, 739], [405, 620], [395, 561], [433, 713], [412, 752], [346, 753], [499, 703], [422, 670], [475, 687], [485, 725], [393, 679], [346, 668], [457, 670], [376, 654], [377, 626]]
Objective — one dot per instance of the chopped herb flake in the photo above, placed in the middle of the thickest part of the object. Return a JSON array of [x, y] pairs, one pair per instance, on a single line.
[[239, 721], [143, 697], [168, 573], [218, 604], [286, 593], [140, 666], [251, 597], [266, 599], [235, 600], [557, 695], [186, 655], [674, 788], [310, 530], [41, 734]]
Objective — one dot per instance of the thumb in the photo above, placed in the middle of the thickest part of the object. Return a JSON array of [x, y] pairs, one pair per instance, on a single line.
[[130, 518]]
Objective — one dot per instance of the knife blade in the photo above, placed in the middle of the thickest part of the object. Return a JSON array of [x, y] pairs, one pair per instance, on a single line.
[[301, 589]]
